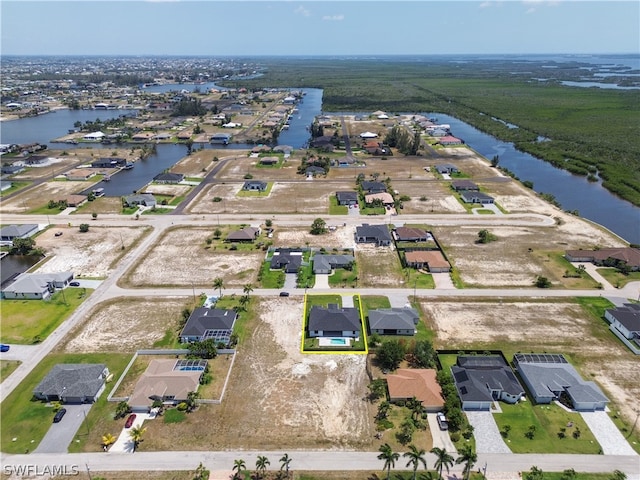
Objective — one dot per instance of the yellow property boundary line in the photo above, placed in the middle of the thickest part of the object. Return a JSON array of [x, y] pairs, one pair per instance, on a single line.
[[336, 352]]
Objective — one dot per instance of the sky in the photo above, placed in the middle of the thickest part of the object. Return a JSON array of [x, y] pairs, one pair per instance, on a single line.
[[308, 28]]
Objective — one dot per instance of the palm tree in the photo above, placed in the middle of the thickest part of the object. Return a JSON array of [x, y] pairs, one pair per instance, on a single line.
[[415, 406], [219, 284], [416, 457], [469, 458], [389, 456], [108, 439], [239, 466], [261, 465], [247, 289], [443, 460], [285, 462], [192, 398], [136, 434], [243, 301]]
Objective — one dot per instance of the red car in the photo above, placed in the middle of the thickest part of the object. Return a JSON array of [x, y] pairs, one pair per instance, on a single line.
[[130, 420]]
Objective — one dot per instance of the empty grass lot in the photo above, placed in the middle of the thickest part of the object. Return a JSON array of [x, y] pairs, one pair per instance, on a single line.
[[30, 321], [7, 367], [25, 419]]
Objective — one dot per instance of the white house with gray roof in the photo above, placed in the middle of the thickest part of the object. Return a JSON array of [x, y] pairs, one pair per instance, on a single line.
[[73, 383], [37, 286], [393, 321], [325, 263], [205, 323], [624, 322], [9, 233], [549, 377], [334, 321]]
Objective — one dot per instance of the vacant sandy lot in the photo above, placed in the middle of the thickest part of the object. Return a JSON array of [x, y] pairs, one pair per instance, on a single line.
[[507, 261], [90, 254], [438, 197], [304, 197], [280, 398], [172, 190], [126, 325], [341, 237], [39, 196], [180, 258], [378, 267], [560, 327]]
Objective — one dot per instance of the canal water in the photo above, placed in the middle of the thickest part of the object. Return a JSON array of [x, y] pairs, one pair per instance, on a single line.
[[13, 265], [572, 192]]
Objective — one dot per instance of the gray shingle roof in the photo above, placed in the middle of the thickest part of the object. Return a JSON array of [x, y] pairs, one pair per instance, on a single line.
[[203, 319], [334, 318], [72, 380], [393, 319], [476, 376]]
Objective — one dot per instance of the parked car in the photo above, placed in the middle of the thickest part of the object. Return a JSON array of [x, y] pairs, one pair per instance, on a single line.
[[4, 347], [442, 421], [284, 294], [59, 414], [74, 284], [58, 234], [130, 420]]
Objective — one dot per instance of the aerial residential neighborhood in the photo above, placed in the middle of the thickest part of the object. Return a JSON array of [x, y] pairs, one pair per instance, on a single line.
[[335, 300]]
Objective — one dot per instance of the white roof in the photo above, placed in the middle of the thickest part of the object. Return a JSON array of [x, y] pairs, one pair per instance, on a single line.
[[368, 135]]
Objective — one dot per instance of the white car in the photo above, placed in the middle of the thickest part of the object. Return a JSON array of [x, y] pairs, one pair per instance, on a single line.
[[442, 421]]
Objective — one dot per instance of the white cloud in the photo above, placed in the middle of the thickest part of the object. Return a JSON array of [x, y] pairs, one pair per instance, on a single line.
[[333, 18], [485, 5], [302, 11]]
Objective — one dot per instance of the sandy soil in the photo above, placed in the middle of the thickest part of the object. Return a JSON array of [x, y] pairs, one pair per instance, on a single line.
[[304, 197], [561, 327], [173, 190], [91, 254], [288, 399], [40, 196], [507, 261], [378, 267], [169, 262], [341, 237], [126, 325]]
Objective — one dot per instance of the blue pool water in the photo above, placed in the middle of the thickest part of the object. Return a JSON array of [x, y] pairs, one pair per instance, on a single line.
[[338, 341]]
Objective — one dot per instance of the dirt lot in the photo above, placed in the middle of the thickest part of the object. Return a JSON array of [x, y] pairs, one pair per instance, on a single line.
[[341, 237], [40, 196], [304, 197], [126, 325], [378, 267], [199, 162], [91, 254], [561, 327], [172, 190], [507, 261], [439, 198], [279, 398], [169, 263]]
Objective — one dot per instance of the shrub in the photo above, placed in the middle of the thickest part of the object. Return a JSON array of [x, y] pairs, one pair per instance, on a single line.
[[182, 407]]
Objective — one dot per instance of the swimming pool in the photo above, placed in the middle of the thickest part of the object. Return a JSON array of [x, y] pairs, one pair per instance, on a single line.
[[339, 341]]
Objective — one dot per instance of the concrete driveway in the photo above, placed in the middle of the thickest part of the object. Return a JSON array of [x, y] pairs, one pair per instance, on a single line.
[[322, 280], [485, 430], [441, 438], [124, 444], [87, 283], [607, 434], [61, 434], [19, 352], [290, 281]]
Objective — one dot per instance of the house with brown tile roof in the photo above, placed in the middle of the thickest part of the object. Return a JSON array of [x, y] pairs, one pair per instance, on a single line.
[[433, 260], [411, 234], [421, 383], [165, 380], [607, 256]]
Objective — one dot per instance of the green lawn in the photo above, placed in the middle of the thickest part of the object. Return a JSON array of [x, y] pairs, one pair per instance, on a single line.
[[335, 209], [548, 421], [343, 278], [25, 419], [418, 279], [270, 278], [15, 186], [563, 271], [173, 415], [617, 279], [26, 321], [7, 367]]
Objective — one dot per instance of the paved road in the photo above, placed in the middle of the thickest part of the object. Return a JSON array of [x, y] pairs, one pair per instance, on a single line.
[[497, 464]]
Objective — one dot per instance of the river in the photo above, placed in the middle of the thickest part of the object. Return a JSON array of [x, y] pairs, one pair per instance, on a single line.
[[573, 192]]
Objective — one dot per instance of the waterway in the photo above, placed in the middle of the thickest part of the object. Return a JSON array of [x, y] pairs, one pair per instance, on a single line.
[[13, 265], [573, 192]]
